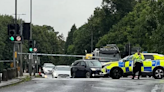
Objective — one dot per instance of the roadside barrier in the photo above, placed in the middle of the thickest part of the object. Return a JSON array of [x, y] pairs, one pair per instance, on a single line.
[[4, 75]]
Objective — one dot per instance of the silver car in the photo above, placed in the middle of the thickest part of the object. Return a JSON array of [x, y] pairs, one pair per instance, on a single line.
[[61, 71], [47, 68]]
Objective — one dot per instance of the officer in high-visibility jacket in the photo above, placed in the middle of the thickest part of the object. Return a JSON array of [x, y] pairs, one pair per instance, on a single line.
[[137, 59]]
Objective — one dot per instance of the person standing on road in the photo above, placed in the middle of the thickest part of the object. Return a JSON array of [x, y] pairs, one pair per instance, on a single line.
[[137, 59]]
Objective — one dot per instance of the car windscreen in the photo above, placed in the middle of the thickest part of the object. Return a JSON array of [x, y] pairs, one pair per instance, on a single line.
[[49, 66], [94, 64], [110, 57], [63, 68]]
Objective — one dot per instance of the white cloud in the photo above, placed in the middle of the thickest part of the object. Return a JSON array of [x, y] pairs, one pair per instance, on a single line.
[[60, 14]]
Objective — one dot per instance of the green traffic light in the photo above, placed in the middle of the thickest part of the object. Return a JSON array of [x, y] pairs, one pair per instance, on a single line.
[[11, 38], [30, 49]]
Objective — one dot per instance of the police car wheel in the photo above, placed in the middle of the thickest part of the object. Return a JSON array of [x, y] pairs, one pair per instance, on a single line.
[[87, 75], [158, 73], [116, 73]]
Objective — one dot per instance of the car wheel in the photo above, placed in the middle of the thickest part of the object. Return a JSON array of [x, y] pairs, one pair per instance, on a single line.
[[144, 76], [158, 73], [73, 75], [88, 75], [116, 73]]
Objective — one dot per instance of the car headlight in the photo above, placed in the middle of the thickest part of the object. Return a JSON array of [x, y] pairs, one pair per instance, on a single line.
[[55, 74], [93, 69], [45, 70]]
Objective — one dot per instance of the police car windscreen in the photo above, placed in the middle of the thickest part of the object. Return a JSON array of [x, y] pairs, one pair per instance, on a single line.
[[149, 57], [94, 63], [110, 57]]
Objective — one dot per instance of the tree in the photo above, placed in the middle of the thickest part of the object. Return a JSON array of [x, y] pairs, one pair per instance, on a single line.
[[69, 40]]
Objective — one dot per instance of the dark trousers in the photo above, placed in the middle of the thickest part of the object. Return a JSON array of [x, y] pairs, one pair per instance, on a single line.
[[137, 68]]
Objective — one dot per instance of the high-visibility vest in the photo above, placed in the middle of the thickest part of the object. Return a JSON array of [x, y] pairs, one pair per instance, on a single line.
[[138, 58]]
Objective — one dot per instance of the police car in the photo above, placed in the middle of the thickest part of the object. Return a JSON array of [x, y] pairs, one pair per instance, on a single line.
[[153, 65]]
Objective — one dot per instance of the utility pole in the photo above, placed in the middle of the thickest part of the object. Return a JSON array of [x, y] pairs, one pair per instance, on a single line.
[[15, 29], [21, 68], [31, 56]]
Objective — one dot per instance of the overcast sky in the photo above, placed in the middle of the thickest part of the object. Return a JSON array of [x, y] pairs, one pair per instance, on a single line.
[[60, 14]]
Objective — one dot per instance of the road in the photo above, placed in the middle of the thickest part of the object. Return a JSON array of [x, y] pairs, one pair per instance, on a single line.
[[88, 85]]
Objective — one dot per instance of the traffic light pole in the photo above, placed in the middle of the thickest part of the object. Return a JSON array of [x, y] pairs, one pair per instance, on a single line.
[[31, 56], [15, 29], [21, 68], [30, 64], [14, 55]]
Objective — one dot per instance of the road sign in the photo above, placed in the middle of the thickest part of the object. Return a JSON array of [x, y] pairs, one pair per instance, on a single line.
[[18, 38], [35, 49], [15, 54], [30, 56], [12, 65]]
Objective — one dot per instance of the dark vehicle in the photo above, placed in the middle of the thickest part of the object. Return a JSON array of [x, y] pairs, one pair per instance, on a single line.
[[86, 68]]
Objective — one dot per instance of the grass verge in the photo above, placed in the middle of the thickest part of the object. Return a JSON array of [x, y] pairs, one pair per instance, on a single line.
[[26, 79]]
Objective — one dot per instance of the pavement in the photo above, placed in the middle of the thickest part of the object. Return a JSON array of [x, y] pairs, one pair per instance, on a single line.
[[50, 84], [12, 81]]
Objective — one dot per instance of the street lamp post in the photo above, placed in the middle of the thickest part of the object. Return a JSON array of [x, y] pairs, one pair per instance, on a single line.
[[30, 55], [31, 19], [16, 28]]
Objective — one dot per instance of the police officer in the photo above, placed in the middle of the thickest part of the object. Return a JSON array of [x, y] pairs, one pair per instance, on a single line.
[[137, 59]]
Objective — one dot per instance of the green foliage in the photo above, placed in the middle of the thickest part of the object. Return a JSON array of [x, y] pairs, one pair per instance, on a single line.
[[120, 22], [142, 26], [47, 40], [100, 23], [69, 39]]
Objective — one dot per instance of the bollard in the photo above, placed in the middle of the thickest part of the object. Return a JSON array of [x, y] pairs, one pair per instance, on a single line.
[[16, 72], [4, 75], [9, 73], [12, 73]]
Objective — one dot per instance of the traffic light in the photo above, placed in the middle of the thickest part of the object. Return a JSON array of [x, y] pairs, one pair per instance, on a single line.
[[13, 31], [26, 31], [31, 45]]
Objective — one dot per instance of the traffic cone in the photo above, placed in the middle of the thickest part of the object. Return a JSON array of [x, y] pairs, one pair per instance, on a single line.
[[40, 71]]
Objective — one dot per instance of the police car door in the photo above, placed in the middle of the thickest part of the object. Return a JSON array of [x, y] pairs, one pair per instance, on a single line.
[[129, 64], [147, 63]]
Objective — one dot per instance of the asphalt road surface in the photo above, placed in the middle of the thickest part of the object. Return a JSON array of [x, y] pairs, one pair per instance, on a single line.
[[88, 85]]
